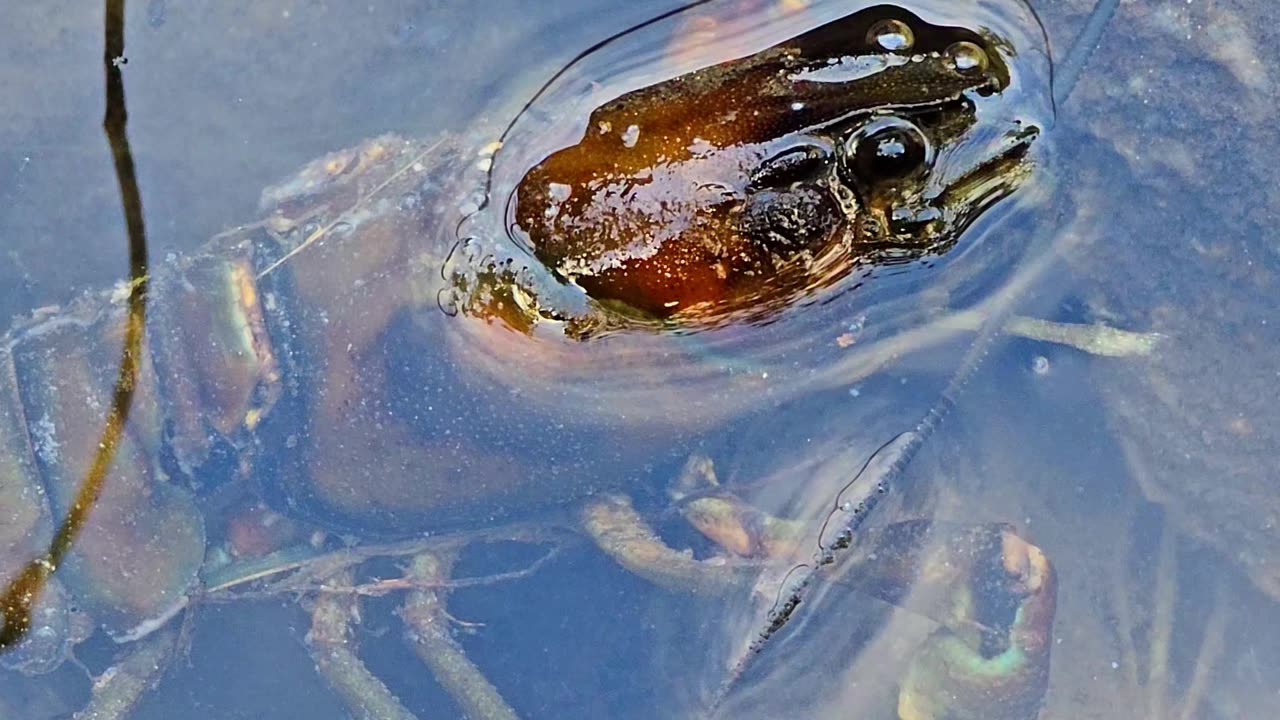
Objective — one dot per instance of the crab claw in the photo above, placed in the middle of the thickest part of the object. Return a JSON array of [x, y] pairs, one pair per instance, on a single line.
[[991, 659]]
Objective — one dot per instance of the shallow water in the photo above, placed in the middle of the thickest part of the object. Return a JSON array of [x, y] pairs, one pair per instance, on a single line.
[[1149, 482]]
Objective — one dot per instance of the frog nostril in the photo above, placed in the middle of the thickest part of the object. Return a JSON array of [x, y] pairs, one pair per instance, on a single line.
[[885, 149], [891, 36]]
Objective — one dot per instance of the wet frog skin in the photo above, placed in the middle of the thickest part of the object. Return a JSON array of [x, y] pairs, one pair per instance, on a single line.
[[742, 182]]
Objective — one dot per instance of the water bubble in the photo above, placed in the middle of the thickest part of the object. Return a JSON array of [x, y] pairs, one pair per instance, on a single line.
[[409, 201], [1040, 365], [967, 58], [449, 302], [891, 36]]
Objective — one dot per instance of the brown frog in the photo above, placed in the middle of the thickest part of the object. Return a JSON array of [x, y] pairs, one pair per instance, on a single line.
[[877, 136]]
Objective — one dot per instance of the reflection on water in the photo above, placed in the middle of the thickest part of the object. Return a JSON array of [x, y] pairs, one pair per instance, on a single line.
[[1147, 481]]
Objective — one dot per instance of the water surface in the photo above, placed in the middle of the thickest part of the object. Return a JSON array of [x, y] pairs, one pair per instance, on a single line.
[[1149, 482]]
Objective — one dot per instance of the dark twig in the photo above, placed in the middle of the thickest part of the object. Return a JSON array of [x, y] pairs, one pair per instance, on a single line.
[[22, 592]]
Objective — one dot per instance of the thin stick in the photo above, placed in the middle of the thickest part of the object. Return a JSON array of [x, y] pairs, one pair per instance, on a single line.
[[343, 217], [20, 594]]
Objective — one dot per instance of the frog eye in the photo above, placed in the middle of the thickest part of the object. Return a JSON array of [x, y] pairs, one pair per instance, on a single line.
[[887, 148], [790, 166], [891, 36]]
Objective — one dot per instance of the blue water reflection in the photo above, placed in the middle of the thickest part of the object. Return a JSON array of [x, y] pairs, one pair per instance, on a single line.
[[1148, 481]]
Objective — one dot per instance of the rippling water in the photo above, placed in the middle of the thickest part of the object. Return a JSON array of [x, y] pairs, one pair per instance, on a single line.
[[1148, 481]]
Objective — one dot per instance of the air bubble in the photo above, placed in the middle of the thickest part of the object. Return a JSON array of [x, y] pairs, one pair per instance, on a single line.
[[1040, 365], [967, 58], [891, 36]]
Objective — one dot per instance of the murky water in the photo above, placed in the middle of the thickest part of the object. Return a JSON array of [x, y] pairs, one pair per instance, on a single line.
[[1148, 481]]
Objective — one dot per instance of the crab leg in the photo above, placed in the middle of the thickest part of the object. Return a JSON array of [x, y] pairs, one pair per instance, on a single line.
[[623, 535], [118, 689], [997, 668], [330, 578], [992, 593], [429, 635], [332, 646]]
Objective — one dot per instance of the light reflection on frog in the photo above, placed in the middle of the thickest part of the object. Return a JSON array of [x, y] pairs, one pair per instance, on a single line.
[[734, 188]]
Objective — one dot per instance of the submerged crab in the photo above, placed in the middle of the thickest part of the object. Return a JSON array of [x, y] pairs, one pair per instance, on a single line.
[[655, 269]]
